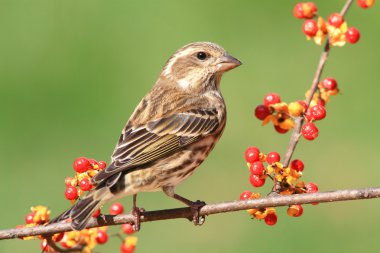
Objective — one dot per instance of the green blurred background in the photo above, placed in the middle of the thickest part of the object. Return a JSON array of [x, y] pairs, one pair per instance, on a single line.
[[71, 73]]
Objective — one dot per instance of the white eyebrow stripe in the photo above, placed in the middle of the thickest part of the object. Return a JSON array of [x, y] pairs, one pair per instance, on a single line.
[[168, 68]]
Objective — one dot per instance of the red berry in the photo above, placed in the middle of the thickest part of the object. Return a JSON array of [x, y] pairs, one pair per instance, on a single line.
[[336, 20], [59, 237], [309, 131], [262, 111], [116, 208], [44, 246], [271, 219], [311, 188], [252, 154], [29, 218], [127, 228], [96, 213], [280, 130], [365, 3], [304, 10], [295, 210], [85, 184], [102, 164], [71, 193], [245, 195], [273, 157], [297, 165], [329, 83], [352, 35], [298, 11], [310, 27], [257, 168], [101, 237], [64, 244], [312, 6], [68, 181], [93, 162], [303, 104], [124, 248], [256, 181], [271, 99], [321, 102], [317, 112], [81, 164]]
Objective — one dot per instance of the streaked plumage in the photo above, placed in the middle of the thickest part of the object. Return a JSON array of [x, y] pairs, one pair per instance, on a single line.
[[169, 134]]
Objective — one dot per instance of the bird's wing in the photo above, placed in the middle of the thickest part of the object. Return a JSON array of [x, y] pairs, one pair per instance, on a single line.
[[159, 138]]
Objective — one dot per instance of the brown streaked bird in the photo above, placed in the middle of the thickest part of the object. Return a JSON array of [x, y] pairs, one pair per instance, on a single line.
[[169, 134]]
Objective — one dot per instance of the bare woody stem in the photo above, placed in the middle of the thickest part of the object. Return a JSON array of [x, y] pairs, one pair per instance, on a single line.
[[232, 206], [299, 121]]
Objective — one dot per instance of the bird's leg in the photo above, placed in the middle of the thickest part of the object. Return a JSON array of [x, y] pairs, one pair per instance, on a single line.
[[195, 206], [136, 211]]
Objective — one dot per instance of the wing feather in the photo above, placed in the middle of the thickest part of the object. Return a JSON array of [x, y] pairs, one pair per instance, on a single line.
[[159, 138]]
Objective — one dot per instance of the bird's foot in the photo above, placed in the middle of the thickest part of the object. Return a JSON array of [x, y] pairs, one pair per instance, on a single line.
[[195, 207], [137, 212]]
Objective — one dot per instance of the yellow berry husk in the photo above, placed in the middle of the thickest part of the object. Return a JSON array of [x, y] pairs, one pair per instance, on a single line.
[[295, 109], [300, 184], [130, 240], [370, 3], [307, 10], [270, 169], [260, 215], [279, 165], [293, 210], [280, 107], [287, 124], [42, 214], [81, 176], [92, 173], [333, 92], [287, 191], [255, 196], [267, 120], [263, 157]]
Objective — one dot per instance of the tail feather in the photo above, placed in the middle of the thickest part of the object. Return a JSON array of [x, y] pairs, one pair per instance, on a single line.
[[81, 212], [63, 216]]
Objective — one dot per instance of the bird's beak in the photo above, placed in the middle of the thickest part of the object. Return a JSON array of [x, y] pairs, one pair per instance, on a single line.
[[227, 62]]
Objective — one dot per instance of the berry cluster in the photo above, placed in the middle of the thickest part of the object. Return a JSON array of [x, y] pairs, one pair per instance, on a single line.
[[304, 113], [86, 239], [336, 29], [286, 180], [39, 215], [283, 115], [85, 169]]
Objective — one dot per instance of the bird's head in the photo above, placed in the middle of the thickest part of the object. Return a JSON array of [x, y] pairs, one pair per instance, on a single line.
[[199, 65]]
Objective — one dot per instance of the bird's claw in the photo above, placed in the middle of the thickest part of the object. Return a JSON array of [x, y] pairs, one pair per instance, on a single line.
[[195, 208], [136, 211]]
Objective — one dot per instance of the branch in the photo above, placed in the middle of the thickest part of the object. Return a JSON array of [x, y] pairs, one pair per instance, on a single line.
[[296, 134], [176, 213]]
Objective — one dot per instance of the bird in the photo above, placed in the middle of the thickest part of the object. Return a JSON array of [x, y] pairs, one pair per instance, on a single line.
[[169, 134]]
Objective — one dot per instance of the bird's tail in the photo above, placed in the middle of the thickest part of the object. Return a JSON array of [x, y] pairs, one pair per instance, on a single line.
[[81, 212]]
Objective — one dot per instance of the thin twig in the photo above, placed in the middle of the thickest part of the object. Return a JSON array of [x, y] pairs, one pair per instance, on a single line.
[[272, 201], [296, 134], [54, 246]]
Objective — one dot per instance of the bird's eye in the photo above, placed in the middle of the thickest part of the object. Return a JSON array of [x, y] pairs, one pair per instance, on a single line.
[[202, 56]]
